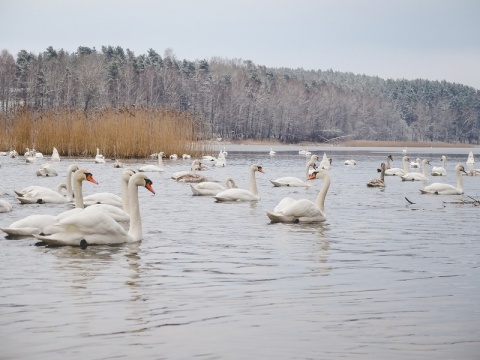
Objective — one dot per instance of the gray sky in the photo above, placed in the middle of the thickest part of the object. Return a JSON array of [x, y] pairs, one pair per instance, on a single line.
[[410, 39]]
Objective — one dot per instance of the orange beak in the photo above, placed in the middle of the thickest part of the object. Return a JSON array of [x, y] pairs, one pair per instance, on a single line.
[[148, 185], [90, 178], [312, 176]]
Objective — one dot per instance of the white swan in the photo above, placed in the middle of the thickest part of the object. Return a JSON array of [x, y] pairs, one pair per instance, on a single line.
[[294, 181], [40, 194], [96, 228], [398, 171], [186, 156], [99, 158], [117, 164], [415, 164], [47, 170], [325, 163], [5, 206], [272, 152], [191, 176], [154, 168], [303, 211], [173, 157], [415, 176], [447, 189], [55, 155], [470, 159], [387, 165], [34, 224], [378, 182], [242, 194], [440, 170], [221, 159], [350, 162], [209, 188]]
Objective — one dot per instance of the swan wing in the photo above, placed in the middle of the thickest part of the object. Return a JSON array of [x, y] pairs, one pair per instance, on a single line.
[[29, 225], [236, 195], [289, 181], [441, 189]]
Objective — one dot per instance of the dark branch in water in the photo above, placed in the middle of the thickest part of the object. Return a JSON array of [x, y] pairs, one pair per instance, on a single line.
[[409, 200]]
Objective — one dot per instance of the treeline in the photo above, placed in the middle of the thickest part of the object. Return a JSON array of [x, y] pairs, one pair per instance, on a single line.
[[239, 99]]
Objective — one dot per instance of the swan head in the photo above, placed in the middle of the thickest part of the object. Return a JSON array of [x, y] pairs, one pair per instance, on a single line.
[[390, 157], [405, 158], [83, 174], [425, 162], [460, 168], [256, 167], [141, 179], [314, 158]]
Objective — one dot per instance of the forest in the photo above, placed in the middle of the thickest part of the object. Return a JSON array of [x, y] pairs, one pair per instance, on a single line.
[[237, 99]]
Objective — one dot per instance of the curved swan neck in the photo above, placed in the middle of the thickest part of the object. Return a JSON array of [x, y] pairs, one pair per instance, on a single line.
[[320, 202], [388, 162], [124, 194], [160, 160], [135, 230], [382, 174]]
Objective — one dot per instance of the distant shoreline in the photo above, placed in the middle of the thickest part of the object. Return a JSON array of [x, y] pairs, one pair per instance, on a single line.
[[353, 143]]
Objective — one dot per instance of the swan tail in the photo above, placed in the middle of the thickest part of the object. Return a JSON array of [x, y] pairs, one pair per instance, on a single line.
[[278, 218], [24, 200], [275, 183]]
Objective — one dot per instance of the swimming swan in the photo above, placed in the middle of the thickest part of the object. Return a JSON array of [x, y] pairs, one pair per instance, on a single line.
[[34, 224], [99, 158], [378, 182], [96, 228], [157, 168], [303, 211], [440, 170], [398, 171], [447, 189], [209, 188], [242, 194], [35, 194], [387, 165], [415, 176], [294, 181]]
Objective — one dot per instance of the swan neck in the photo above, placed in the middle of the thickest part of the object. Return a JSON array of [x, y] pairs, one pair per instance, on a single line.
[[405, 166], [69, 186], [459, 180], [320, 202], [78, 194], [135, 230], [307, 168], [382, 174], [124, 195], [160, 161], [253, 183], [424, 170]]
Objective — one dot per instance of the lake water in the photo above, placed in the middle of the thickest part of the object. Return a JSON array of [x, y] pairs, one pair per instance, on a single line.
[[381, 278]]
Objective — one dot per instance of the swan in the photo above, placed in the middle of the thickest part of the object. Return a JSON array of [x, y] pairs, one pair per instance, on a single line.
[[38, 155], [117, 164], [272, 152], [447, 189], [302, 152], [415, 164], [13, 153], [325, 163], [378, 182], [46, 170], [350, 162], [191, 176], [473, 172], [221, 159], [34, 224], [415, 176], [99, 158], [242, 194], [40, 194], [387, 165], [5, 206], [398, 171], [209, 188], [440, 170], [154, 168], [55, 155], [97, 228], [173, 157], [294, 181], [209, 158], [186, 156], [470, 159], [303, 210]]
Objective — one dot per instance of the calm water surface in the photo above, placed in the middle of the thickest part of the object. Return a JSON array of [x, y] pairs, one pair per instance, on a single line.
[[382, 278]]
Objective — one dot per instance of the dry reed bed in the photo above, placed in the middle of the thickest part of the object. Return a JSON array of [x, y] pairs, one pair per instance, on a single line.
[[125, 133]]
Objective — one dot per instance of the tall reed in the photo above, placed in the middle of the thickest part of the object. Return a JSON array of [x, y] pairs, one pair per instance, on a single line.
[[118, 133]]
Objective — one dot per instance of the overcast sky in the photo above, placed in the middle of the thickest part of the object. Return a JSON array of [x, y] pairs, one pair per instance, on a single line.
[[398, 39]]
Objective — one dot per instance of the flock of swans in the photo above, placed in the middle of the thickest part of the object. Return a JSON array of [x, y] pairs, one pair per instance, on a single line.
[[106, 218]]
